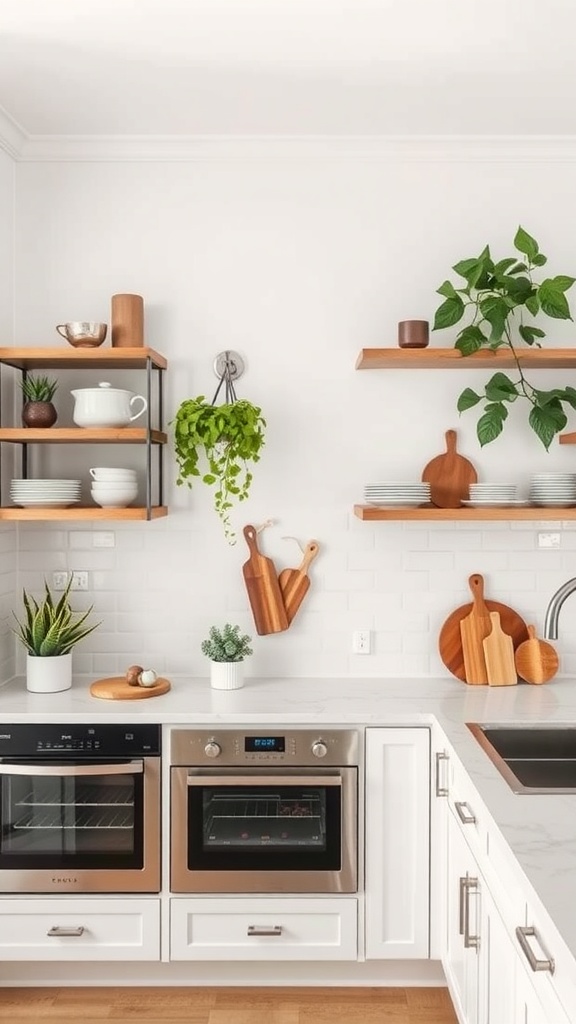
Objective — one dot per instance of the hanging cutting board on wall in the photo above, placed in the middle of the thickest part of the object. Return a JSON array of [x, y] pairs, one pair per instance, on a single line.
[[449, 476], [263, 589], [295, 583]]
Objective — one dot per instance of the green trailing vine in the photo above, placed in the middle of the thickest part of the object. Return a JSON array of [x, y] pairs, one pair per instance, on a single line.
[[499, 296], [216, 443]]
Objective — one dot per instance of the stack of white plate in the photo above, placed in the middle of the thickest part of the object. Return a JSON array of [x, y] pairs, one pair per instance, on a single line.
[[553, 490], [494, 495], [45, 493], [397, 495]]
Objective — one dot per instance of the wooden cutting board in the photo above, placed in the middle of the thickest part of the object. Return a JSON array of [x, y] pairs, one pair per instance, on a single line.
[[295, 583], [449, 476], [116, 688], [450, 639], [499, 654], [536, 660], [473, 629], [263, 589]]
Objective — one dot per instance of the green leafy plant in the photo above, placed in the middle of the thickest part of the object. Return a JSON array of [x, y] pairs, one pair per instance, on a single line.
[[38, 389], [226, 644], [49, 629], [499, 295], [227, 437]]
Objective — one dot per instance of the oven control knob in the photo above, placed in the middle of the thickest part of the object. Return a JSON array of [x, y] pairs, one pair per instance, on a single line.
[[319, 748], [212, 749]]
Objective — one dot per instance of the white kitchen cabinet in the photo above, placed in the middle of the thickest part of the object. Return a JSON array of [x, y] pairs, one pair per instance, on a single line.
[[263, 928], [397, 843], [461, 959], [96, 928]]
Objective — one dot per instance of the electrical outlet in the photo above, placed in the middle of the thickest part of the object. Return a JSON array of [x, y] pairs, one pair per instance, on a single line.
[[79, 580], [549, 540], [361, 641]]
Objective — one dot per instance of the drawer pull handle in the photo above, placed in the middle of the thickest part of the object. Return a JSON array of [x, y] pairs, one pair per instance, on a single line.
[[60, 931], [465, 812], [264, 929], [441, 790], [523, 934], [467, 886]]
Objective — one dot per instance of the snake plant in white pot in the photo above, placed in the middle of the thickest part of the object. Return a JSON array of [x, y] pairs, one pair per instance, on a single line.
[[226, 650], [49, 631]]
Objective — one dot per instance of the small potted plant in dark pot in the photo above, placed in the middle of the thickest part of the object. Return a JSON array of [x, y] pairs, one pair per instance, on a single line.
[[49, 631], [38, 409], [227, 650]]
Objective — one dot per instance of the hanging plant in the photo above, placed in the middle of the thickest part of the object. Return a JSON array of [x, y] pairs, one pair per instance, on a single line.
[[498, 296], [223, 439]]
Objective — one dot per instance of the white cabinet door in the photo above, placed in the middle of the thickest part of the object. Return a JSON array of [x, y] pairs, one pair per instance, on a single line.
[[461, 958], [530, 1009], [397, 840], [498, 958]]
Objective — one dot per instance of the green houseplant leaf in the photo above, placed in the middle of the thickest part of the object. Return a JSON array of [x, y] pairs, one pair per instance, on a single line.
[[498, 296], [216, 443], [47, 629]]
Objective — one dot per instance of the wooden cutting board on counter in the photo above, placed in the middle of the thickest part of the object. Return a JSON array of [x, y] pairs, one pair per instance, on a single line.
[[473, 629], [295, 583], [536, 660], [116, 688], [499, 654], [449, 476], [450, 638], [263, 589]]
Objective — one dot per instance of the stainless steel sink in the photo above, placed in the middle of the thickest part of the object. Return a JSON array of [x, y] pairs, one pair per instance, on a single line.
[[532, 759]]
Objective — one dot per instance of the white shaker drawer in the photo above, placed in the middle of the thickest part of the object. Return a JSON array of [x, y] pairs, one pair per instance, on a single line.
[[263, 929], [104, 928]]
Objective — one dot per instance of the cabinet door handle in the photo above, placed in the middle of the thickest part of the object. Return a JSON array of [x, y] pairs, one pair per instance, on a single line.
[[440, 789], [465, 812], [469, 885], [263, 929], [60, 931], [524, 933]]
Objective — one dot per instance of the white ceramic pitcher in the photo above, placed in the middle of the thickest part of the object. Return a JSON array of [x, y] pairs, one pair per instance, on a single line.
[[106, 406]]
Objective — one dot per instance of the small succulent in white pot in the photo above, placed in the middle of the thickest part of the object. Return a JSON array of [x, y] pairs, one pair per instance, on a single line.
[[227, 649]]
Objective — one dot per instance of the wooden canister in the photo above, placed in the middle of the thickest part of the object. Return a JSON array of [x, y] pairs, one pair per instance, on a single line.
[[411, 333], [127, 321]]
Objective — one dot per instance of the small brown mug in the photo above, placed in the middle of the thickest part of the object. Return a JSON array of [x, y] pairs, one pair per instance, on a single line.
[[413, 333]]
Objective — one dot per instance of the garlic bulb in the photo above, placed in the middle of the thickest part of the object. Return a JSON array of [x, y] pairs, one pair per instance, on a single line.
[[147, 677]]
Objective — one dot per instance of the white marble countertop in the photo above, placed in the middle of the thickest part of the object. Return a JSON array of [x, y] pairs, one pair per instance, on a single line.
[[541, 830]]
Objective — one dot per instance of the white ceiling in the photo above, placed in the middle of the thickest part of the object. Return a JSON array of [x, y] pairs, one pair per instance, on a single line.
[[288, 67]]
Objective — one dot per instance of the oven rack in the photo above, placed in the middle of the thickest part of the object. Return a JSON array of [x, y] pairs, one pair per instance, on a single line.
[[107, 819], [87, 796]]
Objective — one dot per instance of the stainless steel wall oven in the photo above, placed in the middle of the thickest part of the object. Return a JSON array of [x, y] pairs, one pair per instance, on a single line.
[[79, 808], [271, 810]]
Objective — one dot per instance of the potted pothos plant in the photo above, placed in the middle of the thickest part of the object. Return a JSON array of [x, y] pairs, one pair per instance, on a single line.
[[502, 299], [227, 648], [216, 444]]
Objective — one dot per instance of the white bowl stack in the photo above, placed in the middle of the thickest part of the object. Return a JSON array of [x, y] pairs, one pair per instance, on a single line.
[[491, 494], [45, 493], [553, 490], [397, 494], [113, 488]]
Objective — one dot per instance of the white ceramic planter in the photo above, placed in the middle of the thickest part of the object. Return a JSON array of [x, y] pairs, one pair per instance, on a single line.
[[48, 675], [226, 675]]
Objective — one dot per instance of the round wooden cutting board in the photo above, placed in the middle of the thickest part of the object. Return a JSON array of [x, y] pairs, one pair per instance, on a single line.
[[116, 688], [450, 639]]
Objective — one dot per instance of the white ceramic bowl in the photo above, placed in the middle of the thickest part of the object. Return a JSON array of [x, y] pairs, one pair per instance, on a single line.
[[113, 497], [110, 474]]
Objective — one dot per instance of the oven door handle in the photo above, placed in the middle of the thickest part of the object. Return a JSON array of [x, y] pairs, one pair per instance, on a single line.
[[135, 768], [264, 779]]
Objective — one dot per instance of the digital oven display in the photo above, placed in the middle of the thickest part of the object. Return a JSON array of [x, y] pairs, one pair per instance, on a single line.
[[264, 744]]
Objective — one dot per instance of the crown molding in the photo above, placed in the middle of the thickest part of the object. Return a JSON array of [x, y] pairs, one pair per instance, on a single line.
[[174, 149]]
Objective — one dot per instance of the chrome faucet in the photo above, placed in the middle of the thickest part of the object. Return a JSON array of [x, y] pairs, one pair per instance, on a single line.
[[553, 609]]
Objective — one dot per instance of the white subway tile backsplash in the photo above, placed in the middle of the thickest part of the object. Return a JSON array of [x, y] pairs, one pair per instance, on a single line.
[[432, 560]]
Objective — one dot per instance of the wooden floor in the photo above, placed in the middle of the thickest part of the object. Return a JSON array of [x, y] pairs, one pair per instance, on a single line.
[[227, 1005]]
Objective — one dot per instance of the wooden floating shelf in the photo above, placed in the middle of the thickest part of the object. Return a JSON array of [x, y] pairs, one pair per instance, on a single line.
[[72, 358], [376, 513], [451, 359], [81, 435], [83, 514]]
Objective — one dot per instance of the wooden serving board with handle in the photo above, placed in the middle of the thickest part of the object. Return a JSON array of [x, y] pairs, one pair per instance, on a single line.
[[295, 583], [473, 629], [499, 654], [536, 660], [116, 688], [263, 588], [450, 638], [449, 476]]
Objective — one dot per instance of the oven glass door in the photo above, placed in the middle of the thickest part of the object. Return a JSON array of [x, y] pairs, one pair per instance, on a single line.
[[264, 823], [71, 815]]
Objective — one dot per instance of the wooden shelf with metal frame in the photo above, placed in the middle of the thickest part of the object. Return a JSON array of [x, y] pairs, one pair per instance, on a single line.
[[154, 438]]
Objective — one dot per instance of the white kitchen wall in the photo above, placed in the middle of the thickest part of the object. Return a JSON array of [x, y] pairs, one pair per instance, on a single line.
[[297, 258], [8, 534]]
